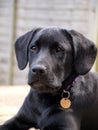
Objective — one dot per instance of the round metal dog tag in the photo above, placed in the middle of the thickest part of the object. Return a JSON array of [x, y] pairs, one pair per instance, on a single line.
[[65, 103]]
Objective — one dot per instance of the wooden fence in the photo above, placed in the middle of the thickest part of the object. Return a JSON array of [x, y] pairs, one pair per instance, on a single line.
[[97, 34], [19, 16]]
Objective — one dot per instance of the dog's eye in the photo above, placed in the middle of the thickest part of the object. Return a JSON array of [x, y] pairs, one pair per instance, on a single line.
[[34, 49], [58, 49]]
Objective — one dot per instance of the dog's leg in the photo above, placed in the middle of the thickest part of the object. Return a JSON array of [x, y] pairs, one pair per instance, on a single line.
[[59, 128], [24, 119], [14, 124], [61, 120], [19, 122]]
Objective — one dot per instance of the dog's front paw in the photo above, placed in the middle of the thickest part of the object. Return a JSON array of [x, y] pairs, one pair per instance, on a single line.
[[2, 127]]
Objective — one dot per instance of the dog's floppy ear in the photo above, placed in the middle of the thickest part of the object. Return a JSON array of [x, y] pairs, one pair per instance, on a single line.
[[84, 52], [21, 48]]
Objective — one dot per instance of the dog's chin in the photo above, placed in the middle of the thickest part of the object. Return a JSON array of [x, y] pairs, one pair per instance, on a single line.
[[41, 87]]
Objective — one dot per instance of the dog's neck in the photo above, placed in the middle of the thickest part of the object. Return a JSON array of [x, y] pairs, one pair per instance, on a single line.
[[68, 83]]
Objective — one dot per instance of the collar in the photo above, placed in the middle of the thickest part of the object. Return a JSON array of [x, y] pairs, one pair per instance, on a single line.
[[68, 83], [65, 101]]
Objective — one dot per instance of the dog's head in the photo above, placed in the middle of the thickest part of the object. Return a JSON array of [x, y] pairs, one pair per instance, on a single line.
[[53, 54]]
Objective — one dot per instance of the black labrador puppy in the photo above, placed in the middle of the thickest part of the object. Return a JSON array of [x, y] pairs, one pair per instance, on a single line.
[[64, 94]]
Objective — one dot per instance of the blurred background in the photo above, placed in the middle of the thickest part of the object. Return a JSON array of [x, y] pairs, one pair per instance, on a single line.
[[19, 16]]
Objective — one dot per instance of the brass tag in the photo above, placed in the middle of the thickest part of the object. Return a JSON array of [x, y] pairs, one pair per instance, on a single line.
[[65, 103]]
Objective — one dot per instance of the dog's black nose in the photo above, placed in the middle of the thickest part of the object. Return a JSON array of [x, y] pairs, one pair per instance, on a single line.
[[39, 70]]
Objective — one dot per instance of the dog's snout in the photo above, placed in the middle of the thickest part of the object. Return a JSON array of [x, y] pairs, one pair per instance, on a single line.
[[39, 70]]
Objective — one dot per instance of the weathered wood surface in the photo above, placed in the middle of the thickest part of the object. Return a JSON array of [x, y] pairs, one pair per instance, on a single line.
[[11, 99]]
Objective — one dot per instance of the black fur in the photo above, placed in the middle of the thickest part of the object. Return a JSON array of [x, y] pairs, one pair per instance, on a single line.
[[54, 56]]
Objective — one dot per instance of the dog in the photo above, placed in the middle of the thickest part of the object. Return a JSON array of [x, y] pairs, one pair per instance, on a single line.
[[64, 93]]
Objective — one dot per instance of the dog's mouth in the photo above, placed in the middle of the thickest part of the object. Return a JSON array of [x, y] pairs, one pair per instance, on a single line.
[[44, 87]]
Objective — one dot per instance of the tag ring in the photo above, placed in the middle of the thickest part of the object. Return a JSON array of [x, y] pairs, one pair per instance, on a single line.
[[65, 94]]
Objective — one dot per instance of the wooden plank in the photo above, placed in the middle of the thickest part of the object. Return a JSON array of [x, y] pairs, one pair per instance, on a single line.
[[97, 34], [5, 39]]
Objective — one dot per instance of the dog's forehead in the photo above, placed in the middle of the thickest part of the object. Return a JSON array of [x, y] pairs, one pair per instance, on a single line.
[[49, 31], [50, 35]]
